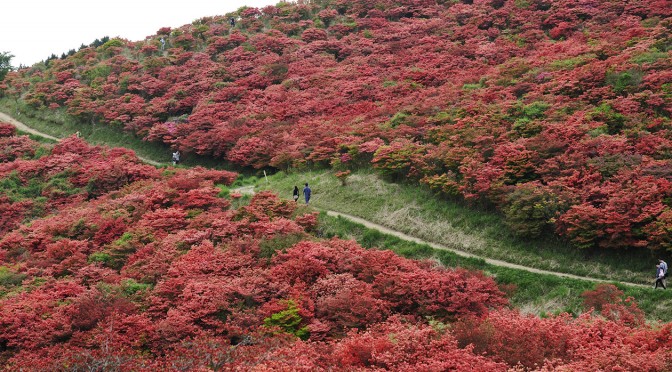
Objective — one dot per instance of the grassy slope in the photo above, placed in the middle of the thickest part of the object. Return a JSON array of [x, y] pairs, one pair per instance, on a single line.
[[59, 124], [532, 293], [418, 212]]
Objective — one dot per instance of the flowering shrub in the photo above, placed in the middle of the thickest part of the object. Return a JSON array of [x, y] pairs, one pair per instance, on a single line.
[[557, 113], [7, 130]]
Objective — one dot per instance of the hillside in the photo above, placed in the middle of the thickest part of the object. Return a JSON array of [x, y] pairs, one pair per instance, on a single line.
[[557, 113], [109, 264]]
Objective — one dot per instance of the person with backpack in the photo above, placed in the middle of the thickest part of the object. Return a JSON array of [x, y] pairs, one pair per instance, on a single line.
[[663, 265], [660, 277], [176, 157]]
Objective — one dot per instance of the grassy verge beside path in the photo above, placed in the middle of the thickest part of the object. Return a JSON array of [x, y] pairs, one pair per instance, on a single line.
[[538, 294], [460, 253], [57, 124], [417, 212]]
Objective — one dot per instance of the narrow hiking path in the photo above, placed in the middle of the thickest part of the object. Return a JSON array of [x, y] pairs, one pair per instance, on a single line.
[[24, 128], [398, 234], [385, 230], [368, 224]]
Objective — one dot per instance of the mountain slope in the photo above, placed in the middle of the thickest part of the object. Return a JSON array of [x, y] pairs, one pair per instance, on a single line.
[[124, 267], [557, 113]]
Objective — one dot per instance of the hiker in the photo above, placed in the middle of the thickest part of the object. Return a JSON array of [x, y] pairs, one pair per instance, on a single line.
[[660, 277], [163, 44], [176, 157], [232, 22], [296, 194], [306, 193], [663, 265], [78, 135]]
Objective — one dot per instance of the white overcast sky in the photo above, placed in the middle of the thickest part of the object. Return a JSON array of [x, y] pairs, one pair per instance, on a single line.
[[32, 30]]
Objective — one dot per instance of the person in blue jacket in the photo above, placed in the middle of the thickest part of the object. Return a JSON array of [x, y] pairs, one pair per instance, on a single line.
[[306, 193]]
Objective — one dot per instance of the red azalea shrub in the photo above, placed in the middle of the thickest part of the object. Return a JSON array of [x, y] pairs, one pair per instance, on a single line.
[[7, 130]]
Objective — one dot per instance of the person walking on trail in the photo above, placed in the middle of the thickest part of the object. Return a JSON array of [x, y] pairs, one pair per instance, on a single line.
[[176, 157], [663, 268], [306, 193], [660, 277], [296, 194], [232, 22]]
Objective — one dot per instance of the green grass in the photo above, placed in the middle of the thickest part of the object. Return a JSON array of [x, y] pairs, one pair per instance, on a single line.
[[571, 63], [59, 124], [36, 138], [418, 212], [532, 293]]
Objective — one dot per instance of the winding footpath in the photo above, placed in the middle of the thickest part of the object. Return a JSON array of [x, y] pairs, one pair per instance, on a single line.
[[489, 261], [368, 224], [385, 230], [24, 128]]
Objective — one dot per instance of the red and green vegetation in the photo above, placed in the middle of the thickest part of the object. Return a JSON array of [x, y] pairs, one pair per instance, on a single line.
[[125, 267], [555, 112]]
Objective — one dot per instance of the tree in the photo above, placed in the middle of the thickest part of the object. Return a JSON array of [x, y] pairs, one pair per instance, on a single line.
[[5, 64]]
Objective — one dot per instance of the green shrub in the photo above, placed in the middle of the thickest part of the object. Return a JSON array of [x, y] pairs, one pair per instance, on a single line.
[[648, 57], [289, 321], [100, 71], [535, 110], [112, 43], [269, 247], [605, 113], [103, 257], [129, 287], [398, 119], [471, 86], [530, 210], [527, 127], [9, 277], [624, 82], [224, 191], [571, 63]]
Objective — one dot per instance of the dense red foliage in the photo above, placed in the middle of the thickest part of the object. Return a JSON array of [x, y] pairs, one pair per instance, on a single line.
[[157, 272], [477, 99], [7, 130], [562, 343]]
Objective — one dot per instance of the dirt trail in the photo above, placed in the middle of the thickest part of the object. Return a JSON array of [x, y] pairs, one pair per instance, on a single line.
[[374, 226], [385, 230], [23, 127], [371, 225]]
